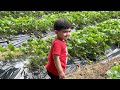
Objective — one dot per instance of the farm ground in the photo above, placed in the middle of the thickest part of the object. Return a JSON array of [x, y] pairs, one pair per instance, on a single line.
[[94, 71]]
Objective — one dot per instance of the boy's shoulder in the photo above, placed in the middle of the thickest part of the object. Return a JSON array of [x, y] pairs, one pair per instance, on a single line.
[[57, 41]]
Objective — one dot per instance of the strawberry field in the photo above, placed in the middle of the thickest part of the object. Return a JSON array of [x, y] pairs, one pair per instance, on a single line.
[[25, 38]]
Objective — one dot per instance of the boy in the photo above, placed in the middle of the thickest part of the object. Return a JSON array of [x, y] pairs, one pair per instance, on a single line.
[[57, 56]]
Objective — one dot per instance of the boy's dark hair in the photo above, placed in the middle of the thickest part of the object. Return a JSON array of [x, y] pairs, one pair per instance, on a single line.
[[62, 24]]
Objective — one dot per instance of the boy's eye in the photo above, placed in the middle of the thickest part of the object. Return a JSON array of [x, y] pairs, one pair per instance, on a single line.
[[66, 31]]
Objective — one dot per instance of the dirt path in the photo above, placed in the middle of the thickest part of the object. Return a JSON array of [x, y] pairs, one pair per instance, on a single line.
[[94, 71]]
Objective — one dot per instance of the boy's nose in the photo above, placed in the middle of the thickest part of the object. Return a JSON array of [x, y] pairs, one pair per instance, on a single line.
[[68, 33]]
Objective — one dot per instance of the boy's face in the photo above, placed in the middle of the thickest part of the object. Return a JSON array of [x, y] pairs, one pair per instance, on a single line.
[[63, 34]]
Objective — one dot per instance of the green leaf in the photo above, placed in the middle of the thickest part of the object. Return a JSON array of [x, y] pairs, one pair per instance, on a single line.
[[2, 49], [24, 44], [11, 47]]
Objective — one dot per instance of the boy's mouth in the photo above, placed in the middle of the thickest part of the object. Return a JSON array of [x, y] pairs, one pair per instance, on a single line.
[[66, 37]]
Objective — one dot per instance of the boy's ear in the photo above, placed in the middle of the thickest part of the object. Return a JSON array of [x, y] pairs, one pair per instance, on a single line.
[[55, 31]]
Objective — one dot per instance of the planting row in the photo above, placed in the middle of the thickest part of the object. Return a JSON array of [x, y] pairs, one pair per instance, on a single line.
[[89, 43], [17, 14], [29, 24]]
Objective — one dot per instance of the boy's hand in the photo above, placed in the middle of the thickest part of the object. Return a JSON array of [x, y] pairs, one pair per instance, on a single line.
[[61, 75]]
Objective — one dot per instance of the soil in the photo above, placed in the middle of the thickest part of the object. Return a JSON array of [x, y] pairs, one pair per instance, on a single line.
[[94, 71]]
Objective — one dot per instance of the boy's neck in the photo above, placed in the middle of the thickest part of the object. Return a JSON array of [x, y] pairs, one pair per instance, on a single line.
[[60, 39]]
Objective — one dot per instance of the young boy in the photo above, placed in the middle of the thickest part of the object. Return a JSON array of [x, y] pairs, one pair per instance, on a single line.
[[57, 57]]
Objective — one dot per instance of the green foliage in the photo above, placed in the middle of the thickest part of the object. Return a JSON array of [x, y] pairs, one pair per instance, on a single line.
[[111, 29], [38, 48], [17, 50], [36, 62], [10, 52], [92, 41], [88, 43], [16, 14], [2, 49], [11, 47], [114, 72], [9, 55], [15, 22]]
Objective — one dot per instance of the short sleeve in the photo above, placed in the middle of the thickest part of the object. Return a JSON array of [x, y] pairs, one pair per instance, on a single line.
[[56, 49]]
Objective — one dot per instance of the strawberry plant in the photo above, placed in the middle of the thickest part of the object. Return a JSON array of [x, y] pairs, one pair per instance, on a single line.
[[114, 72], [36, 62], [2, 49], [38, 49], [11, 47]]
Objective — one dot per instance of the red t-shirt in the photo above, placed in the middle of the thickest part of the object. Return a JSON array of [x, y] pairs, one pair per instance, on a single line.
[[58, 47]]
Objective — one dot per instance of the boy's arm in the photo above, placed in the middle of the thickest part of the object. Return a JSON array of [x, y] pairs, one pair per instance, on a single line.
[[58, 66]]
